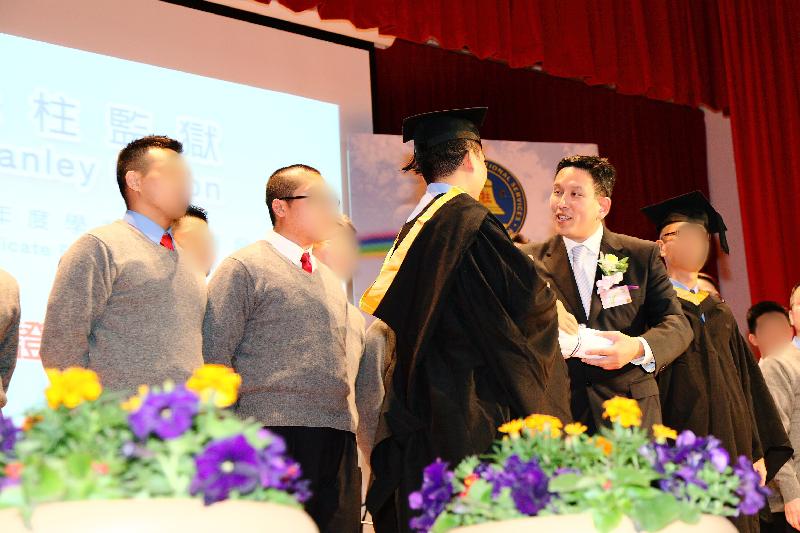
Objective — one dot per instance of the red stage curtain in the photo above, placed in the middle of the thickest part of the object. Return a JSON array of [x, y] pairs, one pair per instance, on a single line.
[[658, 148], [762, 44], [665, 49], [736, 55]]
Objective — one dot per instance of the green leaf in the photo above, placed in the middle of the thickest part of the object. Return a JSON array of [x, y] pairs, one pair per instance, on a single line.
[[606, 519], [564, 483], [632, 476], [78, 464], [656, 513]]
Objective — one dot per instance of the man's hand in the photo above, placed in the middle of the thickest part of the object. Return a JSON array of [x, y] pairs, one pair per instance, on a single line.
[[761, 468], [3, 398], [624, 350], [566, 321], [792, 510]]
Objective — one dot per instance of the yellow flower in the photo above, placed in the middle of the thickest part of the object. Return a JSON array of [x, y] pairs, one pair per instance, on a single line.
[[662, 433], [215, 382], [72, 387], [134, 402], [603, 444], [623, 410], [544, 424], [512, 428], [574, 429]]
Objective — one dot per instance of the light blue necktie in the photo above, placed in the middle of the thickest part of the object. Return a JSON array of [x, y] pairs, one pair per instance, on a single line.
[[583, 283]]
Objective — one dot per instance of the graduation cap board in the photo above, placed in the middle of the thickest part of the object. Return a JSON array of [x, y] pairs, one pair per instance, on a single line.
[[692, 207], [429, 129]]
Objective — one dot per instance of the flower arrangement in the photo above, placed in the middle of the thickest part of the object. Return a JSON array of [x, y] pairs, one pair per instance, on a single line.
[[174, 441], [543, 467]]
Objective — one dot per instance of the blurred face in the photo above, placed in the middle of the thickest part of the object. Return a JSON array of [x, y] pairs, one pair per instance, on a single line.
[[312, 216], [163, 187], [794, 311], [194, 237], [772, 333], [576, 207], [340, 253], [684, 247]]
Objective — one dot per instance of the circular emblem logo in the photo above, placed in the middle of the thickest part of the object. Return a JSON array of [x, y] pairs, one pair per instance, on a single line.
[[503, 196]]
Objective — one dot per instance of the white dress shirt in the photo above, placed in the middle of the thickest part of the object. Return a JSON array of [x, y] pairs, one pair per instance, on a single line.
[[647, 361], [432, 191], [290, 249]]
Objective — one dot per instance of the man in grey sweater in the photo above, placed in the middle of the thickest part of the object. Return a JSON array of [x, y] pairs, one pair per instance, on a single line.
[[780, 364], [126, 302], [281, 319], [9, 330]]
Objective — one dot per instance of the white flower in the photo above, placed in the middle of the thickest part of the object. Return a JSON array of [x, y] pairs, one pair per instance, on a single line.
[[610, 264]]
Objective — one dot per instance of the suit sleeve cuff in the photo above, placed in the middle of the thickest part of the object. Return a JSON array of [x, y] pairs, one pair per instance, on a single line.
[[647, 361]]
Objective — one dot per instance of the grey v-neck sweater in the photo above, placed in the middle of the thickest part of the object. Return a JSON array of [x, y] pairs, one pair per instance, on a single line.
[[125, 307], [287, 333]]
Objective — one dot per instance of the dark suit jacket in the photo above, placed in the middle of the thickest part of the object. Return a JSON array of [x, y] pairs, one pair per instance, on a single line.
[[654, 314]]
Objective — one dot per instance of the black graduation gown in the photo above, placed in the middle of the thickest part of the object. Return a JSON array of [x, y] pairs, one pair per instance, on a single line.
[[477, 345], [716, 388]]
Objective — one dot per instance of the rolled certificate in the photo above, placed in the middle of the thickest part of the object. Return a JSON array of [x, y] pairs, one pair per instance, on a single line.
[[587, 339]]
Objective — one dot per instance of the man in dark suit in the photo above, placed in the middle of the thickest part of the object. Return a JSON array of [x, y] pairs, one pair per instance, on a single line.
[[641, 314]]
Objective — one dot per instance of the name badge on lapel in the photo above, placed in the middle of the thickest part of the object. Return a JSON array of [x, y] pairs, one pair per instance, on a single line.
[[611, 294], [615, 296]]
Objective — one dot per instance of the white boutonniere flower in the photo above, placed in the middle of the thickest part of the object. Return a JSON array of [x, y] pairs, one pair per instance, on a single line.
[[611, 293]]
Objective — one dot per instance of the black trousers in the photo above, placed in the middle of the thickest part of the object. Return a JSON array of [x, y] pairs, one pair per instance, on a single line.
[[776, 523], [330, 462]]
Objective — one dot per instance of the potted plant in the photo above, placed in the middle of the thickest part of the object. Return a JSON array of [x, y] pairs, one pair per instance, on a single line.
[[543, 475], [166, 459]]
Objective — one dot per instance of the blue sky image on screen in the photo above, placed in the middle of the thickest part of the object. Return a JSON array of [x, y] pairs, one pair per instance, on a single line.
[[65, 114]]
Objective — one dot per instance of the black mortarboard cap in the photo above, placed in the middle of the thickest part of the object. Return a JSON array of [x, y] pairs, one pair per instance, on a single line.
[[691, 207], [430, 129]]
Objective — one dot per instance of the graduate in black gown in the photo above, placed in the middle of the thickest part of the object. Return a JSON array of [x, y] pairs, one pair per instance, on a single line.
[[475, 324], [715, 387]]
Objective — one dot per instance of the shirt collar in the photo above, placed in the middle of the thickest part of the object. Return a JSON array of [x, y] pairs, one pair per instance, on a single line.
[[592, 243], [796, 342], [147, 226], [676, 283], [437, 188], [290, 249]]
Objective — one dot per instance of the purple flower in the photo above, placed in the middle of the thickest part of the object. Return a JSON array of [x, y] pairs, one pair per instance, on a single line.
[[690, 454], [752, 495], [226, 465], [8, 435], [277, 471], [433, 496], [167, 414], [527, 481]]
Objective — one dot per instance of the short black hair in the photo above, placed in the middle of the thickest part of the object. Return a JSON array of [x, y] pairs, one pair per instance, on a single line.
[[133, 156], [282, 183], [762, 308], [441, 160], [197, 212], [602, 171]]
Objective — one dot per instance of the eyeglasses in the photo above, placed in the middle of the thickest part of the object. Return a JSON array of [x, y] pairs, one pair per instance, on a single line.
[[696, 232], [328, 201]]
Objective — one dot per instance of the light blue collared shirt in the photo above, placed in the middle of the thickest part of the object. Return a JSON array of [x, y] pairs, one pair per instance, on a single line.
[[150, 229], [432, 191], [796, 342], [695, 290]]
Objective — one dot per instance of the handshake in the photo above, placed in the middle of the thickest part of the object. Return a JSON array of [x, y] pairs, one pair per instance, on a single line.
[[575, 340]]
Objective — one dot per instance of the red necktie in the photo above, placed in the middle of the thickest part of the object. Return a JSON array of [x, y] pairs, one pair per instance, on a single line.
[[305, 261], [166, 241]]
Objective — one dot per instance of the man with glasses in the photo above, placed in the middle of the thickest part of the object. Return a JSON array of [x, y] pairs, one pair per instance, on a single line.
[[280, 317], [715, 387], [126, 301]]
